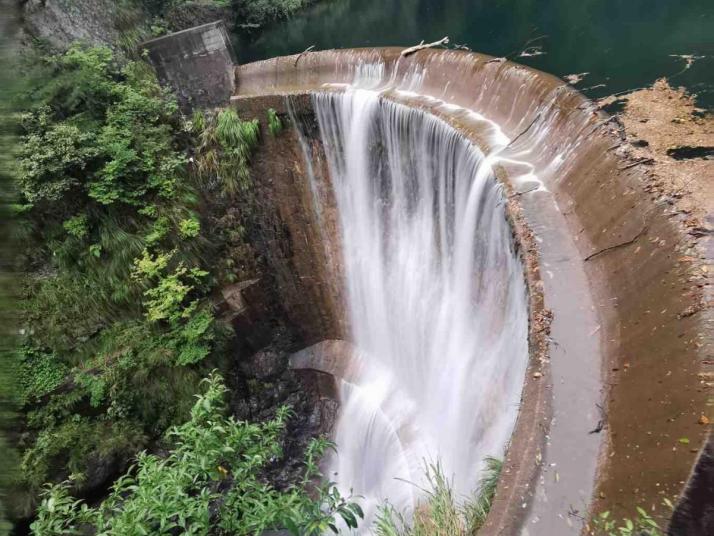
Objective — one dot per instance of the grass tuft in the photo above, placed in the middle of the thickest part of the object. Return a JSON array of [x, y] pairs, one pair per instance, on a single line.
[[440, 514]]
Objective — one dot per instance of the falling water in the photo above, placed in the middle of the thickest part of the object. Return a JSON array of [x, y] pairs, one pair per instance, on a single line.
[[437, 305]]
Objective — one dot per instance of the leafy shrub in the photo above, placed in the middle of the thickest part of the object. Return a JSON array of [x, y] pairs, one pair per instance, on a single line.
[[40, 374], [643, 524], [190, 227], [210, 483], [115, 308]]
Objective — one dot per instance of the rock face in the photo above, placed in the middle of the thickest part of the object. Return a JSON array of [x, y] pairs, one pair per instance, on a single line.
[[264, 364], [64, 22], [263, 382]]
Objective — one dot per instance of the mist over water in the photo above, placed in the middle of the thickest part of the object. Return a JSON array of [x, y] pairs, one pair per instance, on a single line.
[[436, 300]]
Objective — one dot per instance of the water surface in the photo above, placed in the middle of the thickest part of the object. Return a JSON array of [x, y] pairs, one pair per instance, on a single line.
[[623, 44]]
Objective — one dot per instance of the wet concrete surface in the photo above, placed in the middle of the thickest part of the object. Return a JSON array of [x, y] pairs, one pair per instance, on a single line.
[[619, 272]]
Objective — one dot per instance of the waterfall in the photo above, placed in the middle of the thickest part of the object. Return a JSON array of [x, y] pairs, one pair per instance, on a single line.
[[437, 304]]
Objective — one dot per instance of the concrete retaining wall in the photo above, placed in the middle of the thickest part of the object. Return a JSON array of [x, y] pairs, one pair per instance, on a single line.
[[197, 64]]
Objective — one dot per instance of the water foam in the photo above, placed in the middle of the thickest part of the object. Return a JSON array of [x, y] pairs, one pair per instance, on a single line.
[[437, 305]]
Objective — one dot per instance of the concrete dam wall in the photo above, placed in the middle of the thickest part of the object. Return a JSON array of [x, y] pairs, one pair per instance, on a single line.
[[617, 301]]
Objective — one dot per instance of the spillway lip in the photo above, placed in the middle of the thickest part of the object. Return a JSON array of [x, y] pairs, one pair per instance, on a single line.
[[602, 199]]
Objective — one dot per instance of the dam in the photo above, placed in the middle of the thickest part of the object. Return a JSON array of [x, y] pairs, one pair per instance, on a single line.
[[482, 275]]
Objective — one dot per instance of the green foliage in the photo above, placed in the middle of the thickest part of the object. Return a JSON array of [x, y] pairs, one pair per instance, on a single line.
[[209, 483], [477, 508], [116, 316], [440, 514], [53, 158], [259, 12], [169, 296], [225, 146], [78, 444], [274, 123], [190, 227], [40, 374], [642, 525], [99, 131], [76, 226], [249, 13], [60, 311]]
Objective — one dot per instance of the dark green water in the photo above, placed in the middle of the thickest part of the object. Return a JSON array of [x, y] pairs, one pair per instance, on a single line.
[[623, 44]]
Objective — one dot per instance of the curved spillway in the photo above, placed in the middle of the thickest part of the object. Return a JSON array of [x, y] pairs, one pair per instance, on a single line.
[[435, 295], [416, 166]]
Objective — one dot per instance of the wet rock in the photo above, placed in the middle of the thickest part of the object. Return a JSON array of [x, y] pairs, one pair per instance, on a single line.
[[265, 364], [64, 22], [99, 472]]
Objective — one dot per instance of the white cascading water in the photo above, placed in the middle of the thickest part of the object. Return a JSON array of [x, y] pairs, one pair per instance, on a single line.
[[437, 305]]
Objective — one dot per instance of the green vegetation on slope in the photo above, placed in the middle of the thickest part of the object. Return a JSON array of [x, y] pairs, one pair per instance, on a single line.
[[116, 321], [209, 483]]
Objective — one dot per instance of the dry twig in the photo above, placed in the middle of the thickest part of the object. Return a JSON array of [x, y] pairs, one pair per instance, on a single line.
[[307, 50], [618, 245]]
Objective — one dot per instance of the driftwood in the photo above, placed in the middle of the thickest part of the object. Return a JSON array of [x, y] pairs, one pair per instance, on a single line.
[[307, 50], [422, 46], [619, 245], [522, 132]]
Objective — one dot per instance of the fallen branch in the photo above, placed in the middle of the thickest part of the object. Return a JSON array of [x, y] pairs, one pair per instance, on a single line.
[[523, 47], [308, 49], [616, 246], [529, 190], [642, 161], [524, 130], [422, 46]]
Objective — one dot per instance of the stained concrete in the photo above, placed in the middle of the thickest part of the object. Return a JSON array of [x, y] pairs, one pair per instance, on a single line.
[[197, 64], [639, 343]]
